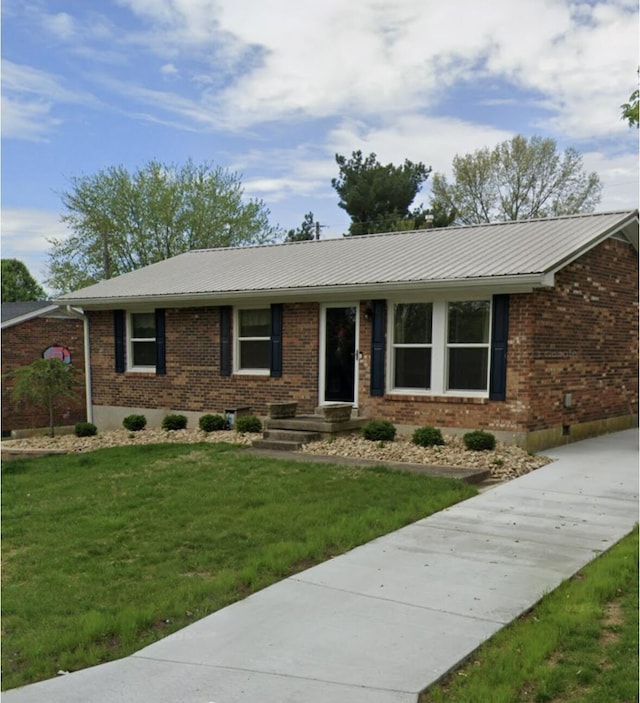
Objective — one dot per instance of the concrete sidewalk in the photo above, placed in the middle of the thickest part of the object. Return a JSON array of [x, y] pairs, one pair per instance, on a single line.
[[384, 621]]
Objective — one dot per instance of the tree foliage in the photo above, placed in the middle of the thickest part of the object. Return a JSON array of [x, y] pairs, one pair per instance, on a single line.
[[306, 231], [378, 197], [122, 221], [43, 382], [631, 110], [18, 285], [518, 179]]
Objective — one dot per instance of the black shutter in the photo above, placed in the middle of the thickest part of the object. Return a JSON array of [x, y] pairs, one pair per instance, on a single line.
[[118, 335], [378, 327], [225, 340], [499, 336], [161, 360], [276, 340]]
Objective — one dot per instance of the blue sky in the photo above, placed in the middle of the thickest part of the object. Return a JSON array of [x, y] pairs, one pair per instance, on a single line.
[[272, 90]]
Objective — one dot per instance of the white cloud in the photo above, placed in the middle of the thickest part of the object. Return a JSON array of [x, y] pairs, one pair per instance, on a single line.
[[29, 100], [61, 25], [253, 63], [25, 235], [371, 59], [27, 119], [169, 71], [619, 176]]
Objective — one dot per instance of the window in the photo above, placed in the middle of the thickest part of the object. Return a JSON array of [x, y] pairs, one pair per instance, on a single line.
[[440, 347], [253, 340], [142, 340], [468, 345], [412, 345]]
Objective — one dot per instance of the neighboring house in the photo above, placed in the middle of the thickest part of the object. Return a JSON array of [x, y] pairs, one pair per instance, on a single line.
[[528, 329], [29, 330]]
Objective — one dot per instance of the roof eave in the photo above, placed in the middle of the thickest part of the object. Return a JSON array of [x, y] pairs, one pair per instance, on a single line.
[[628, 227], [521, 283], [25, 317]]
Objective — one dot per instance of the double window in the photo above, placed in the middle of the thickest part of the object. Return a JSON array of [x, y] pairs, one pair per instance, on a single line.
[[441, 346]]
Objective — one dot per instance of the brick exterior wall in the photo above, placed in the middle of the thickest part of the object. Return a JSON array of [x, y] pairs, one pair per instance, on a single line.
[[585, 340], [193, 381], [579, 337], [24, 343]]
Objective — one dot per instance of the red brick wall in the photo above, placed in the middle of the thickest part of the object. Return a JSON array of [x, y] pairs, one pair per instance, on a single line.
[[24, 343], [193, 381], [585, 339]]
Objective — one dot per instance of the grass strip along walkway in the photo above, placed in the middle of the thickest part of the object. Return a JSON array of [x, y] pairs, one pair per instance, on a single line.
[[579, 644], [106, 552]]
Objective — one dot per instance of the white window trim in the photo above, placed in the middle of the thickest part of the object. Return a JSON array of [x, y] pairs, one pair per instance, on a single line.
[[131, 340], [439, 351], [237, 340]]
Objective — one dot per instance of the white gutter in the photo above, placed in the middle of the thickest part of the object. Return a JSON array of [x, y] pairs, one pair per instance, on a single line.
[[520, 283], [79, 313]]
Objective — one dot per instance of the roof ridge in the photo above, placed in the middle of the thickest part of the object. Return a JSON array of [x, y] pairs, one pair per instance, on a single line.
[[606, 213]]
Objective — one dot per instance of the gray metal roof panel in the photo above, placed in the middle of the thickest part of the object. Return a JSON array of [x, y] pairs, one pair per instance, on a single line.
[[455, 253]]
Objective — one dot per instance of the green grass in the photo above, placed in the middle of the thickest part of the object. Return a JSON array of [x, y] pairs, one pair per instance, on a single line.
[[106, 552], [578, 645]]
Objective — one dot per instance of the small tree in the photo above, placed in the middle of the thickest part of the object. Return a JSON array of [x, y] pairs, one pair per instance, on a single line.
[[305, 232], [43, 382]]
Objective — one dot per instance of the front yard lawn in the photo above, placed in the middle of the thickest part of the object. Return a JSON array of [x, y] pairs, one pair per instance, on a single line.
[[108, 551]]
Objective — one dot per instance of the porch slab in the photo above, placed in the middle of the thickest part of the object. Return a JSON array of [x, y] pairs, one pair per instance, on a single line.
[[316, 423]]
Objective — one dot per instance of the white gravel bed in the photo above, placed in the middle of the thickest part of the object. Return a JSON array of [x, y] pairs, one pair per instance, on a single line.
[[505, 461], [117, 438]]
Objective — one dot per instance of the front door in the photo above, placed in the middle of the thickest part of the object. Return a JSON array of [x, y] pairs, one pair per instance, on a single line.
[[340, 353]]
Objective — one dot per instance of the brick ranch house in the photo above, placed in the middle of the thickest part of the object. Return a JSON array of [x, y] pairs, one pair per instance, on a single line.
[[30, 329], [528, 329]]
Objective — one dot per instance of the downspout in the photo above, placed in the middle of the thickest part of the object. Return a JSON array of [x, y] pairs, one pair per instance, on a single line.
[[79, 314]]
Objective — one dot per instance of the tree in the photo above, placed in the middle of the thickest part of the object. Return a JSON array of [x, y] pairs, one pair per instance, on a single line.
[[18, 285], [306, 231], [122, 221], [378, 197], [631, 110], [518, 179], [43, 382]]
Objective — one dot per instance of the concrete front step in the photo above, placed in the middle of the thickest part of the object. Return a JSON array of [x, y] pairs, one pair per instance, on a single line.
[[291, 436], [315, 423], [285, 440], [277, 445]]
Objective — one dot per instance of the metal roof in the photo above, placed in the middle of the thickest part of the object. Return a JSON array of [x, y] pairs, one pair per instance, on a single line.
[[524, 253]]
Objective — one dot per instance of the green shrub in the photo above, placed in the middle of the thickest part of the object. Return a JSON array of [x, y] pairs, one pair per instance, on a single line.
[[379, 431], [174, 422], [248, 423], [479, 440], [212, 423], [427, 436], [85, 429], [134, 423]]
